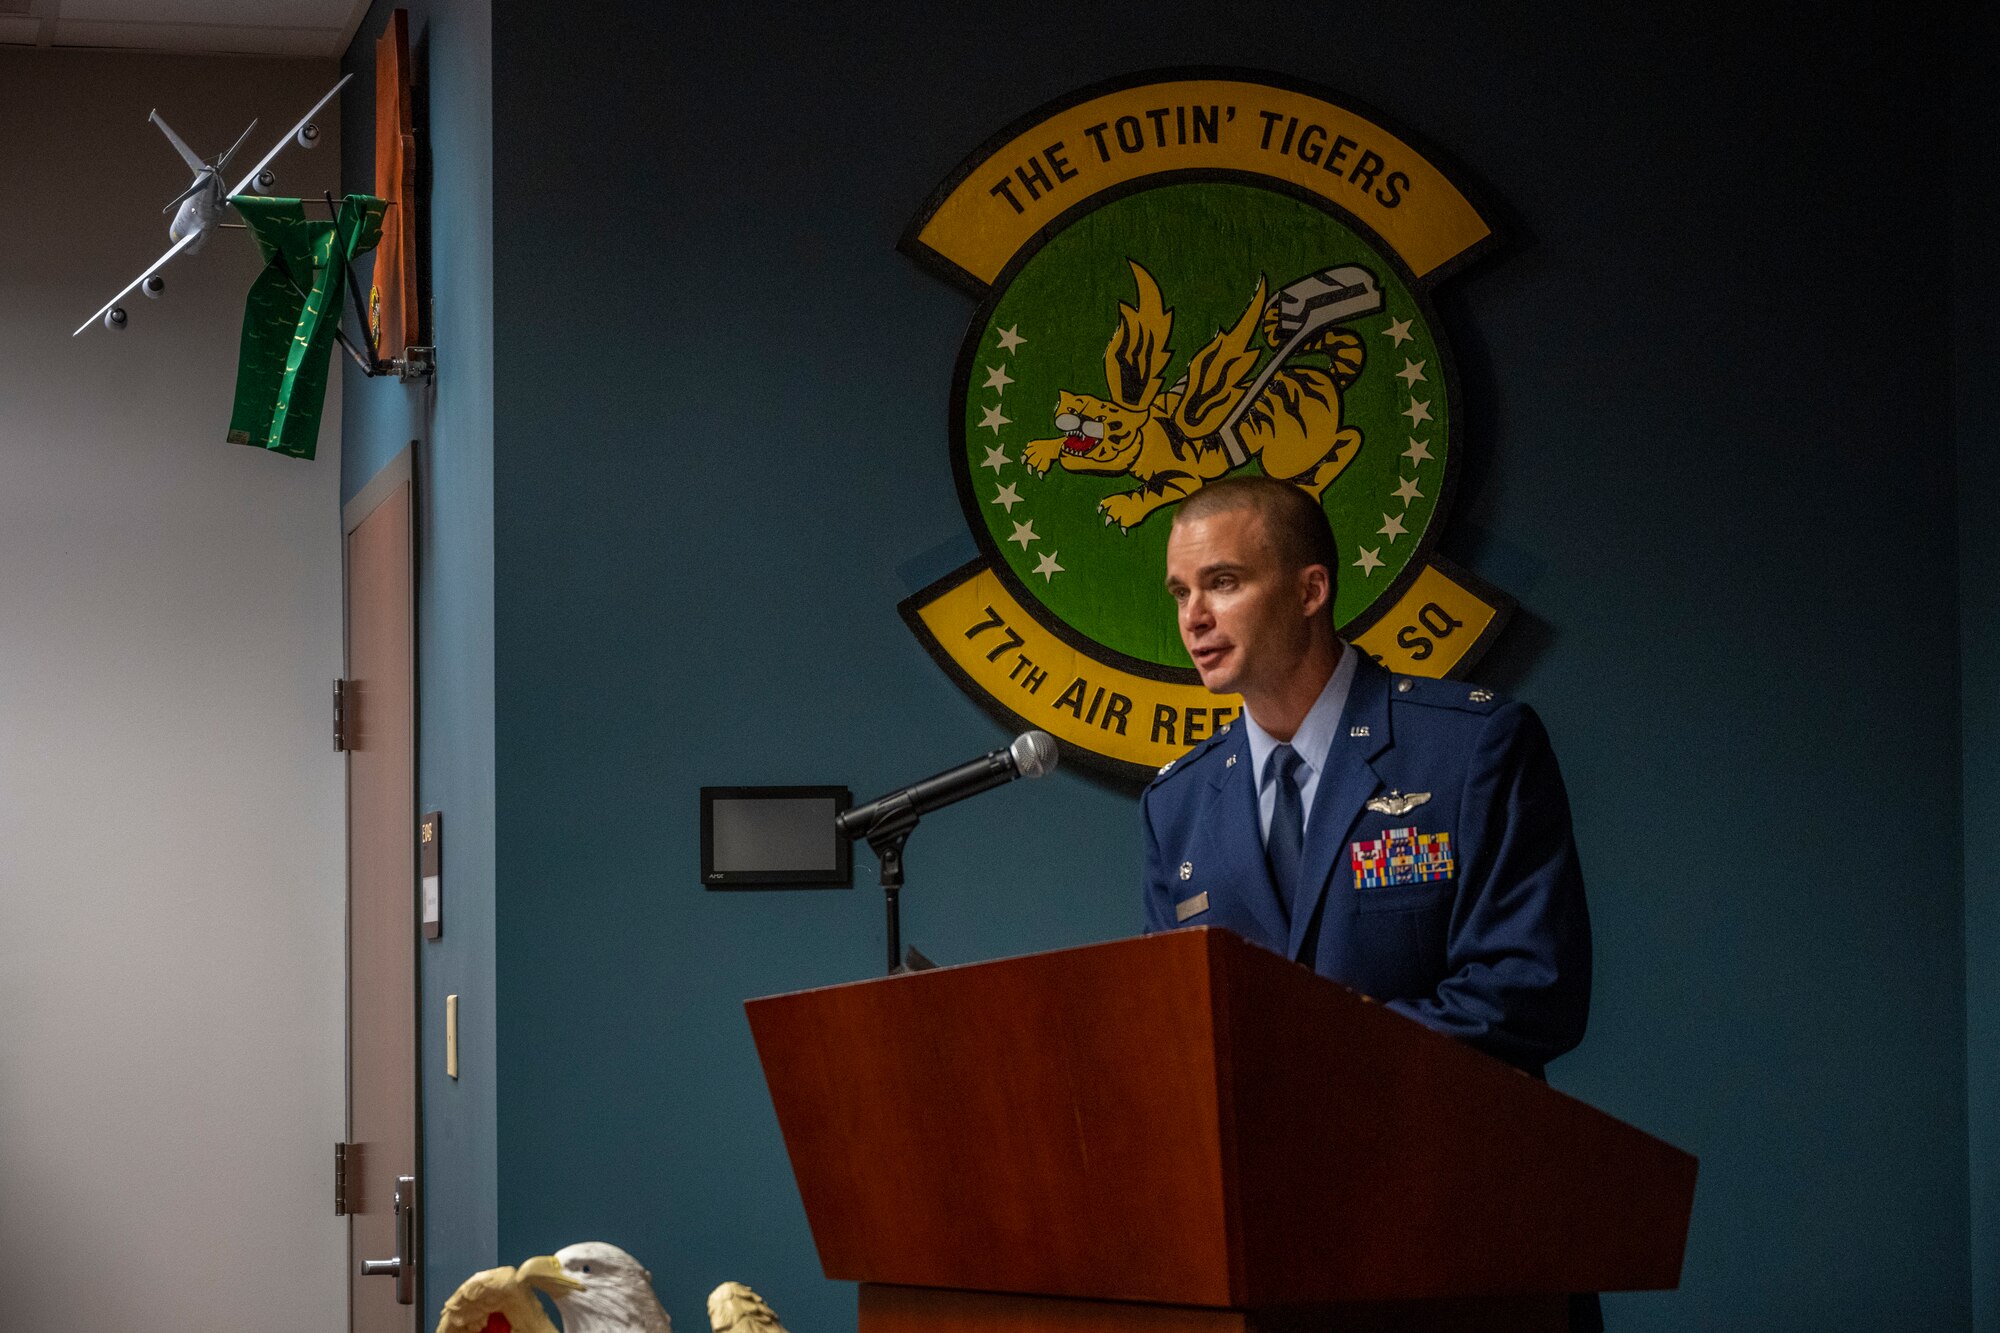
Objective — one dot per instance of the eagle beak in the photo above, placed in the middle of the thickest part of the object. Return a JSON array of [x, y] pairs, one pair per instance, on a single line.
[[545, 1273]]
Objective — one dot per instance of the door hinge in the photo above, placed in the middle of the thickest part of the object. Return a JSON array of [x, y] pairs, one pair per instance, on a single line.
[[340, 1180], [343, 736]]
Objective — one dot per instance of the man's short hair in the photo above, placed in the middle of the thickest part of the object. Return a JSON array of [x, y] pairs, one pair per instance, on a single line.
[[1297, 527]]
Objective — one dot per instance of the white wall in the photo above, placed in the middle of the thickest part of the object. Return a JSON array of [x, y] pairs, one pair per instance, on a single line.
[[171, 844]]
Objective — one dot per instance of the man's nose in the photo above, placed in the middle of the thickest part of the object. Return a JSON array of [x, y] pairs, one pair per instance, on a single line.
[[1194, 612]]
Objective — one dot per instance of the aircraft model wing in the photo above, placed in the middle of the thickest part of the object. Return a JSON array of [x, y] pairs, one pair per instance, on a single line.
[[251, 175], [158, 264]]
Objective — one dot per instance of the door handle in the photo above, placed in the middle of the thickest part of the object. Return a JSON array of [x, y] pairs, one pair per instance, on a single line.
[[404, 1266]]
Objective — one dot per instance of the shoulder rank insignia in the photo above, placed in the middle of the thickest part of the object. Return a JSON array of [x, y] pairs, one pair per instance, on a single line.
[[1482, 696], [1398, 803], [1169, 764]]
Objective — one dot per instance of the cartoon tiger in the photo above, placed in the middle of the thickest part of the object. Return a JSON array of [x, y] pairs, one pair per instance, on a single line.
[[1173, 440]]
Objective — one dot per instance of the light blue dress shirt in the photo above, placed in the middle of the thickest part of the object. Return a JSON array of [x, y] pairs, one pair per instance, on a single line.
[[1313, 741]]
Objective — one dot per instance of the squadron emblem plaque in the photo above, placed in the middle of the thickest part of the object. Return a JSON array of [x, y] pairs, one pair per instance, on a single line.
[[1179, 277]]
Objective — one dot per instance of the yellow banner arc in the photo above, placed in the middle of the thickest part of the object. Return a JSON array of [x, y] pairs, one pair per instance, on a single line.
[[1009, 196], [1440, 625], [992, 640], [1139, 723]]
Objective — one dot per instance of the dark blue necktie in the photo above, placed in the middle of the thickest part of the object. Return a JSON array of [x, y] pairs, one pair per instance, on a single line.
[[1284, 845]]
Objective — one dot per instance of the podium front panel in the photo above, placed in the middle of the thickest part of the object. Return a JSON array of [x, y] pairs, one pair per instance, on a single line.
[[1044, 1124]]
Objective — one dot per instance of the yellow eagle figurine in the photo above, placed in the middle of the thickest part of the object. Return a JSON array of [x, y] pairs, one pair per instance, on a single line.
[[502, 1300], [734, 1308]]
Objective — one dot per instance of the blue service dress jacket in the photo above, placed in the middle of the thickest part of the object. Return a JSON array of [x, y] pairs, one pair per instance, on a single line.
[[1441, 873]]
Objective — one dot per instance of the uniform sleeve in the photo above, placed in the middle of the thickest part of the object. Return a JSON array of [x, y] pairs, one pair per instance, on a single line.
[[1517, 955], [1156, 901]]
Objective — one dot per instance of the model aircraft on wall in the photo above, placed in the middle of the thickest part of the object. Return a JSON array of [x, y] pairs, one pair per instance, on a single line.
[[199, 209]]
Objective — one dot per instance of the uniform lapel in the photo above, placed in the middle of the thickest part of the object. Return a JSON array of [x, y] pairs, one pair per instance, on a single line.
[[1235, 799], [1343, 789]]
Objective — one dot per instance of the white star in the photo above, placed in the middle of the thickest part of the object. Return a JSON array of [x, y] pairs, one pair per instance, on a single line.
[[1369, 561], [1412, 371], [1048, 569], [1024, 533], [996, 458], [1418, 410], [1006, 497], [1418, 450], [1010, 338], [993, 420], [1392, 527], [998, 378], [1400, 331], [1408, 491]]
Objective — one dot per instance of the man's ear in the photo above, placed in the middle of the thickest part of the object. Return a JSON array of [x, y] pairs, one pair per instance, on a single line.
[[1314, 588]]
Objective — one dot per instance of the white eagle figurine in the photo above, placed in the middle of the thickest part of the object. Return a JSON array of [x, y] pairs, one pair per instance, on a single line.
[[598, 1288]]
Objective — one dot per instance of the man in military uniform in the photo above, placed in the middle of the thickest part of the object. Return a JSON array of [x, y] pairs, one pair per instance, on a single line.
[[1406, 837]]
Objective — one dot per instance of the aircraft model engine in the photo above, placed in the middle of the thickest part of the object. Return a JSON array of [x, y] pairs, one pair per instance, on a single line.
[[308, 135], [154, 287], [114, 318], [264, 181]]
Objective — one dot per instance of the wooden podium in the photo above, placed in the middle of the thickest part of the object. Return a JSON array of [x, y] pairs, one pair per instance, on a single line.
[[1189, 1134]]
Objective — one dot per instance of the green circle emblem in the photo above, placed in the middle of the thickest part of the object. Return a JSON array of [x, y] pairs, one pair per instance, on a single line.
[[1182, 333]]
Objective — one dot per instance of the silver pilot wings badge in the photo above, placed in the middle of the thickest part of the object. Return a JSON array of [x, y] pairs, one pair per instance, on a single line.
[[1398, 803]]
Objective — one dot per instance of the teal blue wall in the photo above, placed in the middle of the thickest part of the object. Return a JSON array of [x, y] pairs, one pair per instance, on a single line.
[[449, 428], [1976, 376], [1707, 385]]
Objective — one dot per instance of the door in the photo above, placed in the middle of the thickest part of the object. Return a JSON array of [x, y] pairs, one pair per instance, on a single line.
[[380, 731]]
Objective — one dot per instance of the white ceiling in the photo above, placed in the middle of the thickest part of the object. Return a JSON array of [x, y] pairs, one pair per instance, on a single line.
[[238, 27]]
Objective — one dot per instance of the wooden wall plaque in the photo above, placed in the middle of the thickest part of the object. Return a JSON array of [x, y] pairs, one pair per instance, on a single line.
[[392, 304]]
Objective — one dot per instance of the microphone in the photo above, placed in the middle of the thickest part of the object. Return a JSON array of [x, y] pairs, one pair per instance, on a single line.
[[1031, 754]]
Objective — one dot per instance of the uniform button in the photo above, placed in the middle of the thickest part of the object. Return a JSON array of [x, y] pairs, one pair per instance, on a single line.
[[1402, 687]]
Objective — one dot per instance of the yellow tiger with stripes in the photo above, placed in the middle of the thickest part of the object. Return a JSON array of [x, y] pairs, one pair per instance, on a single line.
[[1172, 440]]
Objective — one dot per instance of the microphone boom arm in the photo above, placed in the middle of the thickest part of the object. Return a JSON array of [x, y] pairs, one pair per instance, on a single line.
[[920, 798]]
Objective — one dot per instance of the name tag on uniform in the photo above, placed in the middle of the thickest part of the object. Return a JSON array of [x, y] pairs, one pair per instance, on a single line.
[[1188, 907], [1401, 856]]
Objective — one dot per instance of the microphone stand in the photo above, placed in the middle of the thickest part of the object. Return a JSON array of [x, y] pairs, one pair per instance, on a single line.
[[886, 837]]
